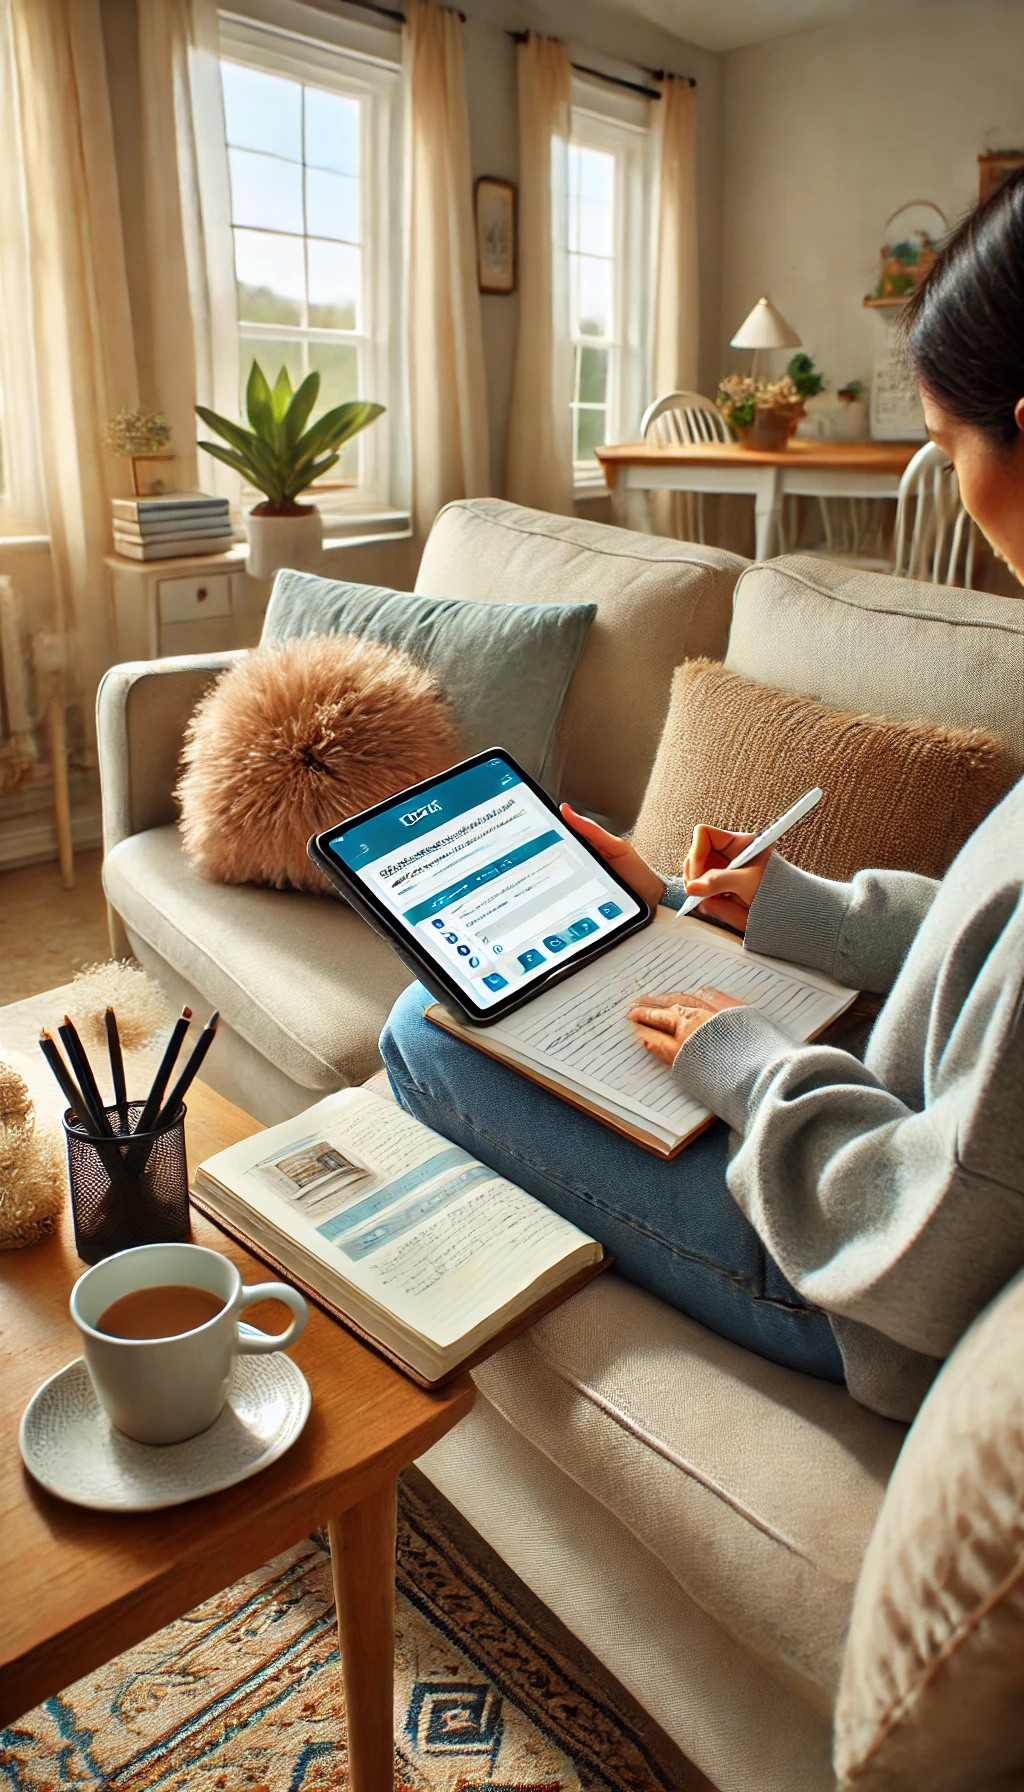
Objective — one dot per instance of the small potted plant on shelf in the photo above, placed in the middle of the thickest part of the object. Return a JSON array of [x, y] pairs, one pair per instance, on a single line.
[[761, 413], [281, 457]]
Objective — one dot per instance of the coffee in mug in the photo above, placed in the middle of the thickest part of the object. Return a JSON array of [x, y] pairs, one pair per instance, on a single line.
[[163, 1387]]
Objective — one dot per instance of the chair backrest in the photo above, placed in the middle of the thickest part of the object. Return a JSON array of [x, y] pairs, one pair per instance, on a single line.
[[681, 417], [935, 537]]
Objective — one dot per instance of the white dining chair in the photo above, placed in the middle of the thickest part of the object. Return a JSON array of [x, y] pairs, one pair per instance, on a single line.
[[686, 418], [935, 537]]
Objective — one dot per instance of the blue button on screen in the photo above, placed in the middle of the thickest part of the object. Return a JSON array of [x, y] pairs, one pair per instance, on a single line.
[[496, 982], [531, 959], [580, 929], [555, 942], [609, 910]]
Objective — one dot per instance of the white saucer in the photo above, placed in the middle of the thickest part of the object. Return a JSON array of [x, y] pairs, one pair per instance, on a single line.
[[70, 1447]]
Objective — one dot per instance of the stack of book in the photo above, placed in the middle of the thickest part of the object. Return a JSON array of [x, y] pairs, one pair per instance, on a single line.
[[170, 527]]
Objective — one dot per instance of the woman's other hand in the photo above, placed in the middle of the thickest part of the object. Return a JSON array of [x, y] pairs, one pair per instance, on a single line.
[[706, 872], [621, 856], [663, 1024]]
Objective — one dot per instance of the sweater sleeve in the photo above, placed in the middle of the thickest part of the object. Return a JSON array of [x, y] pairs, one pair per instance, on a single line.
[[859, 932]]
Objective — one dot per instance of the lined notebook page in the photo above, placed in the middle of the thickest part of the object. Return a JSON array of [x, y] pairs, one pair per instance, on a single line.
[[577, 1034]]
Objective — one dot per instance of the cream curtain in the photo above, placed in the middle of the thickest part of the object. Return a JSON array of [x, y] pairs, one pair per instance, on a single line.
[[85, 360], [447, 387], [540, 431], [676, 287], [190, 351]]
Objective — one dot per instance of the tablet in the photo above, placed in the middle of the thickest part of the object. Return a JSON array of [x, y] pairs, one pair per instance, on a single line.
[[480, 886]]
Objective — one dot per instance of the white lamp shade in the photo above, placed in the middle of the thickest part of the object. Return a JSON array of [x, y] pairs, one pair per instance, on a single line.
[[765, 328]]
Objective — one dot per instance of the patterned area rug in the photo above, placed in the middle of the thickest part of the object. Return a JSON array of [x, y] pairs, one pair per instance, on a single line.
[[243, 1694]]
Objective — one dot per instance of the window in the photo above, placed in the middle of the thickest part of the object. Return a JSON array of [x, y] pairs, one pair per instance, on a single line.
[[608, 225], [310, 142]]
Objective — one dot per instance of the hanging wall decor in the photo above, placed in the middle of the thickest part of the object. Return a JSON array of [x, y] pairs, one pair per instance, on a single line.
[[495, 235]]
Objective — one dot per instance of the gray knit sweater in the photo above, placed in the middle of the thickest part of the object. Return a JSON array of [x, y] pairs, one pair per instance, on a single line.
[[890, 1192]]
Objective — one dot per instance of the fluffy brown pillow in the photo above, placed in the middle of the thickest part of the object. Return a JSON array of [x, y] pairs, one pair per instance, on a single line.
[[296, 737], [899, 795]]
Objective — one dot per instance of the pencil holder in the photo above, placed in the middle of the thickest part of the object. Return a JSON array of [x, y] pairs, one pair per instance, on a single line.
[[127, 1191]]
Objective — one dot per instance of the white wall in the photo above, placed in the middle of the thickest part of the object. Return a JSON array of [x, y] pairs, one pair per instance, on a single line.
[[825, 132]]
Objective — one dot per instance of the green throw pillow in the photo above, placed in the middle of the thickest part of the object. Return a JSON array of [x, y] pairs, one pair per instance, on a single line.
[[505, 668]]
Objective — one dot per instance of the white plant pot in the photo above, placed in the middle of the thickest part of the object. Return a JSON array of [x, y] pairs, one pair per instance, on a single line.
[[276, 541]]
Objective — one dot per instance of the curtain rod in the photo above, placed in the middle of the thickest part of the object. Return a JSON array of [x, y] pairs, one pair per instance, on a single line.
[[582, 68]]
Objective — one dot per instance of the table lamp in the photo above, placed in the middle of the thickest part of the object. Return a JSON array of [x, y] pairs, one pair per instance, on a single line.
[[762, 328]]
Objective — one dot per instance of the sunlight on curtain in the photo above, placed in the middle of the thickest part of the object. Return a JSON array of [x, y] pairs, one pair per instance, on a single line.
[[540, 471], [193, 317], [676, 293], [447, 385], [22, 504], [85, 364]]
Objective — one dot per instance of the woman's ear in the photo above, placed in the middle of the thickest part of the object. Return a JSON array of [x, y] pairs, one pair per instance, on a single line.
[[1018, 414]]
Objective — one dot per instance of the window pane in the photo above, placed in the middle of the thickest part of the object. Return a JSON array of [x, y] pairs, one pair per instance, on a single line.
[[265, 191], [597, 176], [593, 285], [591, 433], [270, 278], [337, 363], [574, 168], [332, 205], [332, 131], [595, 228], [272, 356], [593, 375], [262, 111], [334, 285]]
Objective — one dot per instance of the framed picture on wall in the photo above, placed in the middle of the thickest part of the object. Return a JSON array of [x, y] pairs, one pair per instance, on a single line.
[[495, 234], [992, 169]]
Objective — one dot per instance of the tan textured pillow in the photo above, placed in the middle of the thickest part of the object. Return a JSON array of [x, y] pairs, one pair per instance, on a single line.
[[899, 795], [932, 1687], [295, 737]]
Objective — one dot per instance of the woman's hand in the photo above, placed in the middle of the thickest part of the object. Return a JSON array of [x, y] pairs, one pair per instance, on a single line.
[[663, 1024], [620, 855], [706, 873]]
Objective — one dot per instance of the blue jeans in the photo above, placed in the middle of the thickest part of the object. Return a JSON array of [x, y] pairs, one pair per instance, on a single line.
[[672, 1225]]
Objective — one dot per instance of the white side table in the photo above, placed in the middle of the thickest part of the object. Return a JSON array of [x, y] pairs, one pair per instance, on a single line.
[[200, 603]]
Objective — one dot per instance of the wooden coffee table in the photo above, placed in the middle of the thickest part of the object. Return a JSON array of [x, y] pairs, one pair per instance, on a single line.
[[77, 1586]]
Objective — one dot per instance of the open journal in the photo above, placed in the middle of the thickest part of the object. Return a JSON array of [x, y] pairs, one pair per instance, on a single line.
[[417, 1246], [575, 1039]]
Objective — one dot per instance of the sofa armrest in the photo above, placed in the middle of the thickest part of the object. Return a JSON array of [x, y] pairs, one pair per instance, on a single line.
[[142, 710]]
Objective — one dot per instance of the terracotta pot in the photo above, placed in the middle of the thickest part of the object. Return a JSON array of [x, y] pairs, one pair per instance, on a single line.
[[276, 541], [771, 429]]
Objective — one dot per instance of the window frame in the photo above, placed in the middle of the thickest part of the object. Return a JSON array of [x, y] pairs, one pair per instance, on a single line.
[[615, 122], [288, 50]]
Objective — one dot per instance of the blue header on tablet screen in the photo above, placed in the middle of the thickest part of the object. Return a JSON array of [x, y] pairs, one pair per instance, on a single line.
[[410, 821]]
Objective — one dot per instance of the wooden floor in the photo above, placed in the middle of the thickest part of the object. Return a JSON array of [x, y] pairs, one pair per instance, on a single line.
[[46, 932]]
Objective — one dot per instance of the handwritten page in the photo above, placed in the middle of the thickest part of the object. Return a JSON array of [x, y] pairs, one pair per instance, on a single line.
[[577, 1034]]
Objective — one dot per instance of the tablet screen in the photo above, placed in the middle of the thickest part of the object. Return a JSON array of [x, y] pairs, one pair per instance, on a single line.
[[486, 879]]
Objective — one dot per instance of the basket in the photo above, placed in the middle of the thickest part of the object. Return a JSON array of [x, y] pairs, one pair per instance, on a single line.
[[906, 259]]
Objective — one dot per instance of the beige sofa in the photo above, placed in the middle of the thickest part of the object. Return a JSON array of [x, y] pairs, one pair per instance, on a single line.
[[696, 1515]]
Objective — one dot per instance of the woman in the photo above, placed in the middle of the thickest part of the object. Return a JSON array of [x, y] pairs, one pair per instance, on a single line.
[[868, 1210]]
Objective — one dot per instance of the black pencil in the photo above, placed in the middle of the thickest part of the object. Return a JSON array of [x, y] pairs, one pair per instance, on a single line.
[[116, 1067], [144, 1123], [68, 1087], [199, 1051], [86, 1081], [84, 1111]]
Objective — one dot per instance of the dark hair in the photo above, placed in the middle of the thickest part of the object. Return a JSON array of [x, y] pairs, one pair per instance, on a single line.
[[964, 326]]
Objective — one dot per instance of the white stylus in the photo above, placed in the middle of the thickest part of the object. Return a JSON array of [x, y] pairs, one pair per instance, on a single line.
[[768, 838]]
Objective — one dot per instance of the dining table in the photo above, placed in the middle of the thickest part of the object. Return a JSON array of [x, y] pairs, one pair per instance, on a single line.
[[801, 469]]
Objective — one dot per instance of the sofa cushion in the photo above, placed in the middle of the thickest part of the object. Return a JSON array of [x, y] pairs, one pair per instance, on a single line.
[[504, 668], [933, 1682], [895, 647], [302, 980], [658, 602], [738, 753], [757, 1487]]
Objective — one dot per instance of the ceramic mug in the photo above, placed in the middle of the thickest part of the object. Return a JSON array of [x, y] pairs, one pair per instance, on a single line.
[[163, 1390]]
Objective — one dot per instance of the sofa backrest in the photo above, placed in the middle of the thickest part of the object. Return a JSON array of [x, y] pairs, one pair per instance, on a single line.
[[658, 602], [866, 642]]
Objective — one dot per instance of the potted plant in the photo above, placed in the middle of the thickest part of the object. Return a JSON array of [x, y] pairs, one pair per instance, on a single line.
[[761, 413], [283, 458]]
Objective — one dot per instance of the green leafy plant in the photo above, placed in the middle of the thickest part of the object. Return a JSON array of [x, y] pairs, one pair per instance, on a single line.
[[278, 454], [805, 376]]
